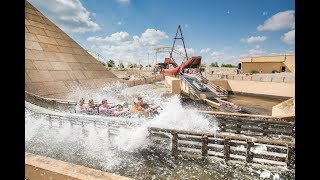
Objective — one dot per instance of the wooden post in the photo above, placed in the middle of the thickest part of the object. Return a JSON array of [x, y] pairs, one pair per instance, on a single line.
[[174, 143], [222, 125], [289, 160], [265, 128], [50, 121], [226, 149], [60, 123], [204, 146], [249, 154], [238, 126]]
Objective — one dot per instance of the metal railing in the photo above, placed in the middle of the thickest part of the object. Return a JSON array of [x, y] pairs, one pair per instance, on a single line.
[[191, 90]]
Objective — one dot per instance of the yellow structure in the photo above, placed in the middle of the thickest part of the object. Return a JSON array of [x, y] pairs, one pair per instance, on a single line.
[[267, 64]]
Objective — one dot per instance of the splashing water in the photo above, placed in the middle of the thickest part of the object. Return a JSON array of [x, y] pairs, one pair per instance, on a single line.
[[127, 152], [172, 116]]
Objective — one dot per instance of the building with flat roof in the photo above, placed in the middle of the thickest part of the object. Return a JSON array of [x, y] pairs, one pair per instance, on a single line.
[[267, 64]]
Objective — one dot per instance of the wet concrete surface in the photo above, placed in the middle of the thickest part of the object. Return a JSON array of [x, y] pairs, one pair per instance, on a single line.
[[255, 104]]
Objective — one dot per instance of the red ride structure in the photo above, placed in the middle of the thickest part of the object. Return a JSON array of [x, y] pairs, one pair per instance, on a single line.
[[170, 67]]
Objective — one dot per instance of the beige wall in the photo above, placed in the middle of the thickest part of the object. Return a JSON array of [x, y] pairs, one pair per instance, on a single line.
[[267, 64], [255, 87], [55, 64], [284, 108], [43, 168], [265, 67], [175, 84], [289, 63]]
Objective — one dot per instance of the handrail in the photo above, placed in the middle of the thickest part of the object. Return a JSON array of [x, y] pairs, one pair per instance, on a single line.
[[191, 90]]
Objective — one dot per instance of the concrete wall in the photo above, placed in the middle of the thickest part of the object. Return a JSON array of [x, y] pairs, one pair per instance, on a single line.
[[267, 64], [54, 63], [265, 67], [147, 80], [260, 88], [219, 70], [284, 108], [289, 63], [175, 84], [43, 168]]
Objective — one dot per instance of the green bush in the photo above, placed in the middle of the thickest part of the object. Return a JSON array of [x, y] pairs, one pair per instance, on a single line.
[[275, 71], [254, 72], [202, 69]]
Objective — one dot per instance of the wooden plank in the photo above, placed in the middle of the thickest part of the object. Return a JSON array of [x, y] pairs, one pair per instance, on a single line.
[[174, 143], [189, 145], [162, 135], [204, 146], [190, 138], [247, 116], [249, 153], [224, 135], [215, 147], [268, 162], [226, 149], [289, 158]]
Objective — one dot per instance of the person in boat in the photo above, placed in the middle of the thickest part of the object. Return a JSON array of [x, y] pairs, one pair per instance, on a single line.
[[120, 110], [147, 106], [81, 107], [137, 108], [92, 108], [104, 108]]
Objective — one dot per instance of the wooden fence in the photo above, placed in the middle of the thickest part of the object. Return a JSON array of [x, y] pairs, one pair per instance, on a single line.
[[260, 127], [245, 149]]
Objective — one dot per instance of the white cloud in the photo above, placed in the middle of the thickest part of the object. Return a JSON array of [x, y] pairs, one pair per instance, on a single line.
[[207, 50], [217, 54], [115, 37], [289, 37], [190, 51], [254, 39], [120, 46], [281, 20], [152, 37], [69, 15], [257, 51]]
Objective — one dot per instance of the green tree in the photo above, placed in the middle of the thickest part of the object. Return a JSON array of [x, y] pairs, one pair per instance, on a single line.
[[227, 65], [214, 64], [121, 65], [110, 63], [103, 63], [130, 65]]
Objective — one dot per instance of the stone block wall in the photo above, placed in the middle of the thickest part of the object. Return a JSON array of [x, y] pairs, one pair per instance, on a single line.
[[54, 63]]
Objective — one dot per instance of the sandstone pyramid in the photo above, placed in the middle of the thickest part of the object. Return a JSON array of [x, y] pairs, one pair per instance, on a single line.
[[55, 64]]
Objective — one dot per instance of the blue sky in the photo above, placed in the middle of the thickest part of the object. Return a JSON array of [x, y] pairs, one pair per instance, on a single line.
[[220, 31]]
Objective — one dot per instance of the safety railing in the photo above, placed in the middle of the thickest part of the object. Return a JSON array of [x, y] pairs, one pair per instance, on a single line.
[[235, 148]]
